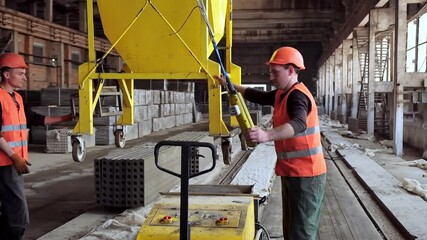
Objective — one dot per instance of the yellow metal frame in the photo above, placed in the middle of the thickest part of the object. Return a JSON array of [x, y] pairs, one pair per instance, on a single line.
[[88, 98]]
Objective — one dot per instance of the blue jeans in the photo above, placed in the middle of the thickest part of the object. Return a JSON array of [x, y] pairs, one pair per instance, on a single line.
[[302, 199]]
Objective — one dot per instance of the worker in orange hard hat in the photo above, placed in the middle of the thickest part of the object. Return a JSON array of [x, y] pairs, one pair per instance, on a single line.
[[14, 217], [296, 135]]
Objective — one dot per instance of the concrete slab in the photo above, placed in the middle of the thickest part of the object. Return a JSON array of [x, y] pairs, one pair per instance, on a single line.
[[408, 210], [79, 226]]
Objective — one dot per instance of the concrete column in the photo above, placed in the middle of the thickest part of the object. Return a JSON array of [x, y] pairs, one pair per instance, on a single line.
[[48, 10], [327, 83], [82, 16], [399, 73], [324, 76], [371, 72], [28, 48], [15, 46], [338, 80], [345, 79], [331, 84], [320, 84], [355, 77], [324, 85], [61, 63]]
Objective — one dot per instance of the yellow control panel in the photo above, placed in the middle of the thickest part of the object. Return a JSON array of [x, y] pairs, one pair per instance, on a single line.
[[210, 217], [197, 217]]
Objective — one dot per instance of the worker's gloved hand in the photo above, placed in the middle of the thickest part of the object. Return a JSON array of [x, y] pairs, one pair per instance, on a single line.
[[21, 165]]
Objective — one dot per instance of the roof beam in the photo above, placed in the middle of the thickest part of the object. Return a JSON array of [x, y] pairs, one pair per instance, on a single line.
[[283, 14], [361, 10], [265, 38]]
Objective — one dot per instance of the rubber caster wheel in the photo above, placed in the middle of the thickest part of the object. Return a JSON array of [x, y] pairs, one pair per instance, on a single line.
[[119, 138], [79, 152], [226, 151]]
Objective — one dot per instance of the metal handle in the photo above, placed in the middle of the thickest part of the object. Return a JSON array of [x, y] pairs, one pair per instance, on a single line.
[[185, 155]]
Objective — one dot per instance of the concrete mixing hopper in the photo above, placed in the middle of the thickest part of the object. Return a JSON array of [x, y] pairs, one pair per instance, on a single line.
[[157, 39], [150, 45]]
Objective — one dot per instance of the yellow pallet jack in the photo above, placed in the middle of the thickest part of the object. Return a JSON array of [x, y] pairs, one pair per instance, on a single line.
[[200, 216]]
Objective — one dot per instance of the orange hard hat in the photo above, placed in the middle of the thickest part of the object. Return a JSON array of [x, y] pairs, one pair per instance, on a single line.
[[12, 60], [287, 55]]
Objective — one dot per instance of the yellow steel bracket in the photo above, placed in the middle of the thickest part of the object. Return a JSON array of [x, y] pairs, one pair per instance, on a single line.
[[127, 87], [234, 70], [216, 123], [86, 104]]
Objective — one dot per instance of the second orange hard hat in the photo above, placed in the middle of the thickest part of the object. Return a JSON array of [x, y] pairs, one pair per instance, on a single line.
[[12, 60], [287, 55]]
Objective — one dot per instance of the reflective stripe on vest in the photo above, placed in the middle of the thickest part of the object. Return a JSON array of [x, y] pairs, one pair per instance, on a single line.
[[8, 128], [299, 154], [308, 131], [18, 143]]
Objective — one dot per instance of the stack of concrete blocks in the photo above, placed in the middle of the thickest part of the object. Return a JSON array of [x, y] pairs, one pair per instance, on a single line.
[[157, 110], [58, 141], [127, 178], [154, 110]]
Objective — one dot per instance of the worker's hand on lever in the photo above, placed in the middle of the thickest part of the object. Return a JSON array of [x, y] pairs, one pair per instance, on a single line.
[[20, 164], [221, 79], [257, 135]]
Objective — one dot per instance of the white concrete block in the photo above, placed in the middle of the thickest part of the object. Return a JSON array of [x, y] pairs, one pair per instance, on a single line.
[[153, 111], [170, 121], [148, 97], [179, 120], [140, 97], [156, 97], [158, 124], [144, 128], [131, 132]]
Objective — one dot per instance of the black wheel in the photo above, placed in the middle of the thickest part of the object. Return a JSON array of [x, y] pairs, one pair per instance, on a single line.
[[119, 138], [79, 151], [226, 151]]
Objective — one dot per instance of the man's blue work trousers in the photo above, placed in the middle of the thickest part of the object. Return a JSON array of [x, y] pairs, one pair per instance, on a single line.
[[302, 199], [14, 218]]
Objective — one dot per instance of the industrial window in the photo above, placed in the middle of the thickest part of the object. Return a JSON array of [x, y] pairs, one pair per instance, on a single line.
[[416, 49], [75, 60], [38, 53], [422, 47]]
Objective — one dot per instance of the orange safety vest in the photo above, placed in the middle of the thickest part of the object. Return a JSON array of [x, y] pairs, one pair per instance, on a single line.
[[14, 126], [301, 155]]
